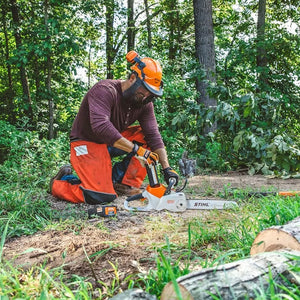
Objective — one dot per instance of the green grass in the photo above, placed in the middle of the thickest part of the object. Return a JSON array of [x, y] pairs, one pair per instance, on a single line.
[[217, 238], [220, 237], [223, 237], [39, 283], [26, 209]]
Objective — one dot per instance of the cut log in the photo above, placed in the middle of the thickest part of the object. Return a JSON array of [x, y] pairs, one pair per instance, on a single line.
[[278, 237], [242, 279], [134, 294]]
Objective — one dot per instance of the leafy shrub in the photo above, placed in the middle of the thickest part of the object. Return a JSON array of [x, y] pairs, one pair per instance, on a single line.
[[27, 164], [260, 136], [28, 160]]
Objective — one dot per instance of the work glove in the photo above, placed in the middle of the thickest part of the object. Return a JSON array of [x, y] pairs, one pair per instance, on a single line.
[[170, 173], [145, 154]]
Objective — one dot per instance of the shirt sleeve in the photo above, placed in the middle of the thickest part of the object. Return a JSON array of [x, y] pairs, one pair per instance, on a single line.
[[150, 129], [101, 101]]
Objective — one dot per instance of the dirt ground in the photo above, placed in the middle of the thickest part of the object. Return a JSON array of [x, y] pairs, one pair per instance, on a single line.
[[125, 244]]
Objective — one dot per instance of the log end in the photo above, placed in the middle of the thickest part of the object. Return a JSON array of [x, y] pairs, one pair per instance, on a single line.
[[169, 293], [272, 240]]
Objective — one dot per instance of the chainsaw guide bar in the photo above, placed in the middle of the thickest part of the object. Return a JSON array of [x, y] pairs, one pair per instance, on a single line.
[[210, 204]]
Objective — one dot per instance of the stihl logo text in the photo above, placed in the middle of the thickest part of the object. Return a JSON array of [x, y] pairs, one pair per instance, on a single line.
[[197, 204]]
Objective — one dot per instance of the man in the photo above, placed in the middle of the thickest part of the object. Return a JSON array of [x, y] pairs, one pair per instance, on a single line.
[[102, 130]]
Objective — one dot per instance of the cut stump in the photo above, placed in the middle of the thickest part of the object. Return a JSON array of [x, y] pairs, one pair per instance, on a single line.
[[278, 237], [238, 280]]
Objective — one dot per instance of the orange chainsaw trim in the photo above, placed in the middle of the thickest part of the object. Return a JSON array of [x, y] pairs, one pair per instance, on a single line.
[[287, 194], [158, 191]]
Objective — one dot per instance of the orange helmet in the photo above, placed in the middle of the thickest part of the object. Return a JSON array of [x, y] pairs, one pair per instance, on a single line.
[[148, 70]]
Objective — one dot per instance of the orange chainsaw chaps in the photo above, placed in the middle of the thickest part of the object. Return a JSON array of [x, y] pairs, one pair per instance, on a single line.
[[135, 133], [135, 173], [64, 190], [92, 164]]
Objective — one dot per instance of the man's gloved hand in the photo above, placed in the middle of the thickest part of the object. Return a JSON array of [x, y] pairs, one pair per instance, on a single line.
[[146, 154], [170, 173]]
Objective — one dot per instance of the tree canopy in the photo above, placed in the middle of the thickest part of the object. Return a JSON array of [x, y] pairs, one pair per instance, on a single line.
[[47, 45]]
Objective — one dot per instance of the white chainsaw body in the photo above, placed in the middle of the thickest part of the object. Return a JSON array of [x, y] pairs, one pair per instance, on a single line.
[[177, 202]]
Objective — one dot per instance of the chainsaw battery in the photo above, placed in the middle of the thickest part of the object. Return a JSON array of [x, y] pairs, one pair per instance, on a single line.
[[103, 211]]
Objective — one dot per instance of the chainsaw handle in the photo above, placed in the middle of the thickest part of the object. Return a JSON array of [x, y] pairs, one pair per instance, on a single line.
[[135, 197], [172, 182]]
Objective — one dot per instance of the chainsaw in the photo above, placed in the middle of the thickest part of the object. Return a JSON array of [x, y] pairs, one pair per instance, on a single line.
[[158, 197]]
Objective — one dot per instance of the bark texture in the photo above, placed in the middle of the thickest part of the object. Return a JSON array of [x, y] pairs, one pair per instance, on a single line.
[[109, 23], [130, 25], [205, 53], [261, 58], [237, 280], [23, 76], [135, 294]]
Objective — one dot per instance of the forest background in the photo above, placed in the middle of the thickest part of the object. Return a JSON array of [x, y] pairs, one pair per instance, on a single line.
[[231, 99], [248, 116]]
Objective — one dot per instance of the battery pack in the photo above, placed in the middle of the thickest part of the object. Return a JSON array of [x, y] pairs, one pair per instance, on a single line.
[[103, 211]]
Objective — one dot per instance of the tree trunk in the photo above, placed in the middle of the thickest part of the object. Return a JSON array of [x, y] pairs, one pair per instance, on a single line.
[[9, 92], [49, 75], [122, 40], [148, 23], [23, 76], [261, 58], [237, 280], [173, 26], [109, 15], [278, 237], [89, 66], [130, 25], [205, 53], [36, 66]]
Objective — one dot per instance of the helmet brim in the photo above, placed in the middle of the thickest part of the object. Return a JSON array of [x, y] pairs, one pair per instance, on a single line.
[[157, 91]]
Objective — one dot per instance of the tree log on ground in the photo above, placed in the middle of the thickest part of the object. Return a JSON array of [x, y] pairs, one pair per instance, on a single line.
[[238, 280], [278, 237]]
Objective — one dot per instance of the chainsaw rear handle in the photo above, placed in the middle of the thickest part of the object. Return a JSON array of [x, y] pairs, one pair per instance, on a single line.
[[135, 197]]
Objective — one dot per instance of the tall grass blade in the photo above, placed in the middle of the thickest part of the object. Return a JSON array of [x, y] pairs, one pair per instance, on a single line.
[[3, 237], [172, 276]]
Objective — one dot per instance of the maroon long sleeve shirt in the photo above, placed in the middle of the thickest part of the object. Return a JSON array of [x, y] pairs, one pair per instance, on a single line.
[[103, 115]]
